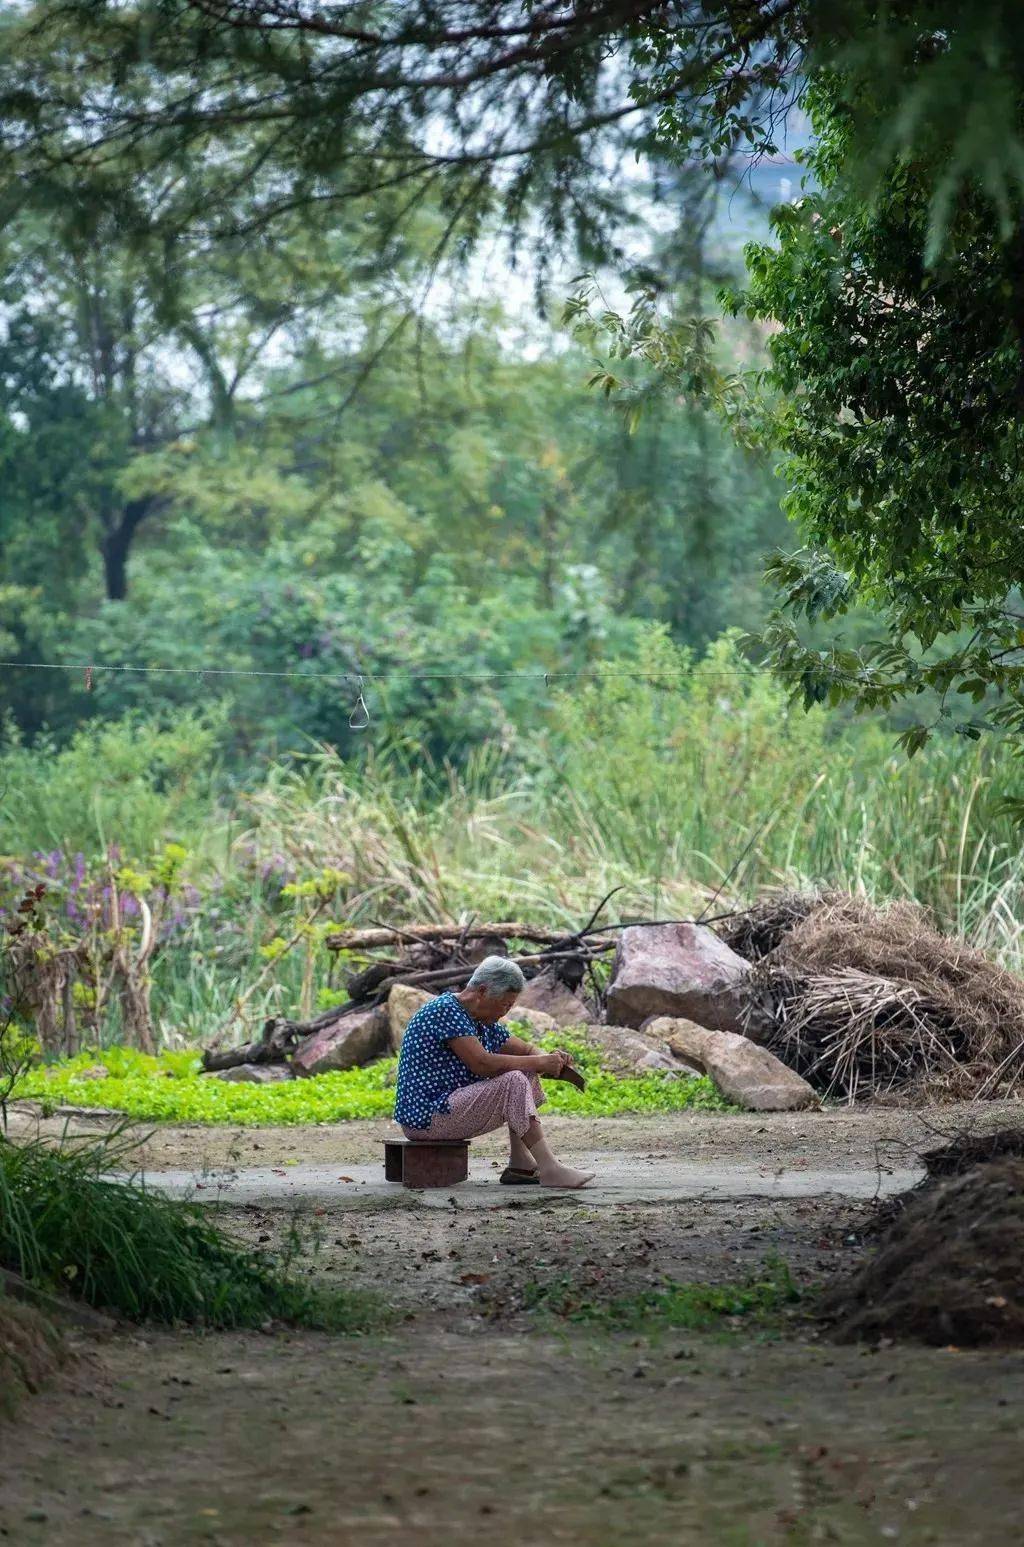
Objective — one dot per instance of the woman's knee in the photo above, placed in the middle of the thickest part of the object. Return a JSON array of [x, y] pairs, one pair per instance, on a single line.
[[517, 1091]]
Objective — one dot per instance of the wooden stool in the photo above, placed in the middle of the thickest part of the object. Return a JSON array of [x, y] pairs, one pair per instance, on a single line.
[[437, 1163]]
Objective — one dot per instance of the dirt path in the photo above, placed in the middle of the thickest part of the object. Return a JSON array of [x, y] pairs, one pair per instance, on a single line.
[[489, 1412], [464, 1437]]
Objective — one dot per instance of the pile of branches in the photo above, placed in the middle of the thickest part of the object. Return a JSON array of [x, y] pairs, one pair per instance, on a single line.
[[440, 956], [428, 956], [866, 1000]]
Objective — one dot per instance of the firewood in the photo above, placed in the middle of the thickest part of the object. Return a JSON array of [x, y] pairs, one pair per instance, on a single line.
[[447, 976], [370, 939]]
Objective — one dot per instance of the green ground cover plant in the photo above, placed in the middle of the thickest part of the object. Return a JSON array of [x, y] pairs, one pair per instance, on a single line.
[[170, 1088], [122, 1248]]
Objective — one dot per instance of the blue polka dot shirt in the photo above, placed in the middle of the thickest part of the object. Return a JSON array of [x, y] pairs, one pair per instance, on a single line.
[[428, 1070]]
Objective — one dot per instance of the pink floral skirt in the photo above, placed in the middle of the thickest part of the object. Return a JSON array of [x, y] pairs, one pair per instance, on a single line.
[[508, 1099]]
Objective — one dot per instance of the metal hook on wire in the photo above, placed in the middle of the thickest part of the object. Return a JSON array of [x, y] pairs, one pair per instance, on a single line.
[[359, 719]]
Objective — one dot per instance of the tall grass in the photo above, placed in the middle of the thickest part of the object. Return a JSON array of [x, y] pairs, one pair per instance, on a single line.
[[670, 790]]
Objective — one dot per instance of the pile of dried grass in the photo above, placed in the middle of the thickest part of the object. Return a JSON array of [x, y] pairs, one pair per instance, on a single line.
[[761, 928], [950, 1267], [864, 1000]]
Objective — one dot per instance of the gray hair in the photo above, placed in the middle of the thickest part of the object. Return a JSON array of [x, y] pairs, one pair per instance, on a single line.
[[496, 975]]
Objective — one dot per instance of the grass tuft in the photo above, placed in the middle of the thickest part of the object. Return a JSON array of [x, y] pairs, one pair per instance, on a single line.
[[694, 1307], [121, 1248]]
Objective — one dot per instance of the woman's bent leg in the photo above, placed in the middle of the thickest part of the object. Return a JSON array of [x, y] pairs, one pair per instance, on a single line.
[[519, 1156], [511, 1099]]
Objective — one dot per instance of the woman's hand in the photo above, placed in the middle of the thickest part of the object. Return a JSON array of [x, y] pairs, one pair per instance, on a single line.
[[551, 1064]]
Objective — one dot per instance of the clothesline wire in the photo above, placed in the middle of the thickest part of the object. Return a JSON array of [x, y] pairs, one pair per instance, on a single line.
[[365, 677]]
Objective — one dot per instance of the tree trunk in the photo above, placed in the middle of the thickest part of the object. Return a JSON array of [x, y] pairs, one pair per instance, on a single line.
[[116, 545], [136, 1017]]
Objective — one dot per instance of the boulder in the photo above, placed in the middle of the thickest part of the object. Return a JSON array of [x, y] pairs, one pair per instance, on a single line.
[[403, 1002], [535, 1021], [252, 1074], [353, 1039], [625, 1051], [94, 1072], [547, 993], [744, 1072], [680, 970]]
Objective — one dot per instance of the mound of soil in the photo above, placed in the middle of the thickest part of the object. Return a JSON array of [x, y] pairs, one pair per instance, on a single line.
[[30, 1350], [977, 1149], [950, 1269]]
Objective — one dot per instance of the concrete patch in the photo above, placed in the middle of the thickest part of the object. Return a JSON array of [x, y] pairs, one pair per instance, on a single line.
[[621, 1179]]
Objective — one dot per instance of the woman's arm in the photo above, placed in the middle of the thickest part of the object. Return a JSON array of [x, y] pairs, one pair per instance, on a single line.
[[518, 1048], [479, 1061]]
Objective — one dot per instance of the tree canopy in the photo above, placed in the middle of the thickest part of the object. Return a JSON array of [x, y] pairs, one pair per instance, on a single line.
[[896, 392], [223, 216], [476, 104]]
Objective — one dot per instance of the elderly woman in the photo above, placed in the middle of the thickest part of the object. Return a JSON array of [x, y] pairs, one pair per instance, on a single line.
[[462, 1073]]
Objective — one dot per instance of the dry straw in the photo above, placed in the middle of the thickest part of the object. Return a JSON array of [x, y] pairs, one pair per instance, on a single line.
[[865, 1000]]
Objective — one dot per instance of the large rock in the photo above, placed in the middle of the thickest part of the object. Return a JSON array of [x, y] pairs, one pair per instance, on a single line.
[[676, 969], [403, 1002], [547, 993], [536, 1021], [744, 1072], [625, 1051], [343, 1044], [94, 1072], [252, 1074]]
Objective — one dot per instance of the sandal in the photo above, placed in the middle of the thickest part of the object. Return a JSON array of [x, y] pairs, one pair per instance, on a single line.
[[513, 1176]]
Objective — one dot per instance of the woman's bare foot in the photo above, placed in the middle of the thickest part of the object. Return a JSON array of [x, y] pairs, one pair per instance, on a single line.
[[551, 1171], [558, 1175]]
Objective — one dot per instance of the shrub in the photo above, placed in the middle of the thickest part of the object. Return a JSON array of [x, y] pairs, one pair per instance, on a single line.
[[136, 782]]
